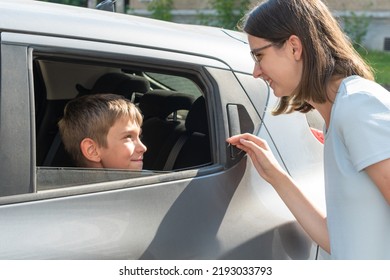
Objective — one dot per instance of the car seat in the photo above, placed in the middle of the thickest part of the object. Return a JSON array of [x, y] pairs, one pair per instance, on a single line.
[[118, 83], [192, 148], [162, 124]]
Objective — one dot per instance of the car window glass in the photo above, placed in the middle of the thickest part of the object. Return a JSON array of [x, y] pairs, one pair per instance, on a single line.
[[176, 83], [54, 178], [165, 100]]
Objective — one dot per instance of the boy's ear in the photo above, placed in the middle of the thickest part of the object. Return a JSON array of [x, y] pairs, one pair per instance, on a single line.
[[89, 149]]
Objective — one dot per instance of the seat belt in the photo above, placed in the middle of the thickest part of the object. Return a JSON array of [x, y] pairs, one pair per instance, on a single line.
[[175, 152], [53, 150]]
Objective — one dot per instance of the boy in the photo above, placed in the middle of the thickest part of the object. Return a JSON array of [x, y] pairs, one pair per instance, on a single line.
[[103, 131]]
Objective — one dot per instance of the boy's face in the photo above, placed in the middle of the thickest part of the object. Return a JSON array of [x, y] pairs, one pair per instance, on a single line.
[[124, 148]]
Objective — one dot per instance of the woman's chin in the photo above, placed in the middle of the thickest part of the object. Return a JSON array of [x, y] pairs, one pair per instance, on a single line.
[[278, 93]]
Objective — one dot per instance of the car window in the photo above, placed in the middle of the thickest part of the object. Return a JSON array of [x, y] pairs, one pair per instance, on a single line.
[[164, 98], [173, 82]]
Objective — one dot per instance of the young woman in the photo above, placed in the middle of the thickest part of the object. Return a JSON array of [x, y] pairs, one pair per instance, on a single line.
[[302, 53]]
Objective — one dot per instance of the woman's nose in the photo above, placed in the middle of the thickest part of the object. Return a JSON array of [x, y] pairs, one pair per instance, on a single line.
[[257, 73]]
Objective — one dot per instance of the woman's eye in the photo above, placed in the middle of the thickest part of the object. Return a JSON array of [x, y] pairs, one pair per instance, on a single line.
[[259, 56]]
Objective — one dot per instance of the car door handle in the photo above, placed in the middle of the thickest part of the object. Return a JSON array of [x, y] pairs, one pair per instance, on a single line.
[[234, 127], [239, 122]]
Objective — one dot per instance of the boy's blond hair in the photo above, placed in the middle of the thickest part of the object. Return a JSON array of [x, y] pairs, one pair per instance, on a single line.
[[92, 116]]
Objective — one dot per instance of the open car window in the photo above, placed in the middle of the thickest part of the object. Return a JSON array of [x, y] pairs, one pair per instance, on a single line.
[[175, 125]]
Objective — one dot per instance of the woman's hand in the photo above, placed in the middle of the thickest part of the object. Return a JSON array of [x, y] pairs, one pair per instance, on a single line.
[[261, 156], [312, 220]]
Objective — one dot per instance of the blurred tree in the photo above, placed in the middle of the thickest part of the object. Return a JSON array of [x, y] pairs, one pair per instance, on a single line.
[[161, 9], [228, 13], [356, 27]]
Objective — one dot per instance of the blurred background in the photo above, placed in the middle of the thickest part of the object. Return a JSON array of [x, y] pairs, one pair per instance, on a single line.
[[365, 22]]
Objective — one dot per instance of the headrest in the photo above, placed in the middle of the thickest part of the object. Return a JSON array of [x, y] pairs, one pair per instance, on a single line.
[[117, 83], [161, 103], [196, 120]]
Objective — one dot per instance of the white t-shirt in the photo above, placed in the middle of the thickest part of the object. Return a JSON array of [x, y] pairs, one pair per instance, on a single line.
[[358, 136]]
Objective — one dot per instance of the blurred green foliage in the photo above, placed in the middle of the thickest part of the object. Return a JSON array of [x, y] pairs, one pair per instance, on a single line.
[[161, 9], [228, 13], [356, 27], [380, 61]]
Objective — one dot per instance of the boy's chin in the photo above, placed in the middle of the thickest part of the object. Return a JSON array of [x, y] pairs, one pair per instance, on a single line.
[[136, 165]]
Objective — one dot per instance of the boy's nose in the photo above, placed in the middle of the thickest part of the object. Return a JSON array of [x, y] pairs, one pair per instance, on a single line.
[[141, 147]]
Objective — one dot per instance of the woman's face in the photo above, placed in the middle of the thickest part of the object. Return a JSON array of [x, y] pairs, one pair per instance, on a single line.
[[281, 66]]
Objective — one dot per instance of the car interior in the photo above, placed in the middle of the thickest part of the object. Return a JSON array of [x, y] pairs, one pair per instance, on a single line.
[[175, 127]]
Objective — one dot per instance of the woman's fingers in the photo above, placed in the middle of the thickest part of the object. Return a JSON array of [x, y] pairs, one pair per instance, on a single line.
[[254, 146], [246, 140], [260, 154]]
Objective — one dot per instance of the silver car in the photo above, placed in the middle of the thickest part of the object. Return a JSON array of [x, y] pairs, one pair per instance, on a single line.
[[198, 198]]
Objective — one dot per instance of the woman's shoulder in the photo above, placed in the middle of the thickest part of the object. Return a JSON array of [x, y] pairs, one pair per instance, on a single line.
[[359, 98], [356, 86], [355, 91]]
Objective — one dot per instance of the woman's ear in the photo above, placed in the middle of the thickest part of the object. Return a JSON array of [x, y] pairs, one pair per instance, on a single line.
[[89, 149], [296, 46]]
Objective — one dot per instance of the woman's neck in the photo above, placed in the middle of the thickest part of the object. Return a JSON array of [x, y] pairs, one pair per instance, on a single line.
[[325, 109]]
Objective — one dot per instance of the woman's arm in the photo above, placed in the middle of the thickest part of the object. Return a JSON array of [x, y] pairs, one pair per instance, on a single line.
[[380, 175], [310, 218]]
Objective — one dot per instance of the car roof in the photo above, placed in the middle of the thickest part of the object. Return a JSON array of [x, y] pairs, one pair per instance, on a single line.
[[43, 18]]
